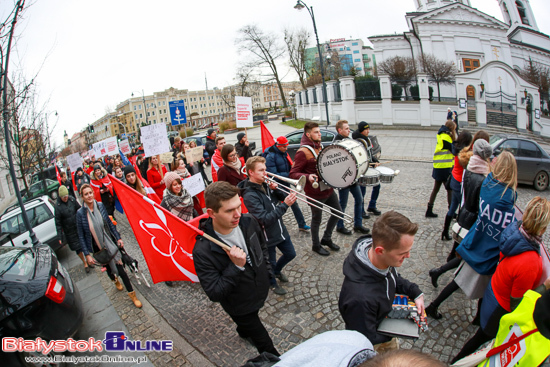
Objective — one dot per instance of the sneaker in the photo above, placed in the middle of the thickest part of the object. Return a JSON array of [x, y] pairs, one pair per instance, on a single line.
[[343, 230], [283, 278], [374, 211], [305, 228], [277, 289]]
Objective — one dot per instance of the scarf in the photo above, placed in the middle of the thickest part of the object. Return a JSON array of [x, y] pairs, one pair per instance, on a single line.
[[182, 171], [478, 165], [237, 165], [179, 205], [97, 228]]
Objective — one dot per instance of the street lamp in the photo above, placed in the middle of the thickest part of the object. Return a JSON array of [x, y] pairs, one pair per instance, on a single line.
[[299, 6]]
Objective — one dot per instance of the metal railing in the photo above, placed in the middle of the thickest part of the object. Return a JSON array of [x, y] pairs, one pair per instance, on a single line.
[[367, 90], [337, 92]]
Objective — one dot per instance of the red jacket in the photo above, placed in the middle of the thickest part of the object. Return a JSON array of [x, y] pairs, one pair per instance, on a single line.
[[230, 175], [216, 163], [153, 177], [97, 183]]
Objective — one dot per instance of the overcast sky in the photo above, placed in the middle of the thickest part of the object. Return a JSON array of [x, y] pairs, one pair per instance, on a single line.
[[90, 55]]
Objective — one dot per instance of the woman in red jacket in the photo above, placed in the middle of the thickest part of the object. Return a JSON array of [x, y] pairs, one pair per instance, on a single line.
[[155, 175]]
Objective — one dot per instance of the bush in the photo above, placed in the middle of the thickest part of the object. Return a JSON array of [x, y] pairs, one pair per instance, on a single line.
[[189, 132], [227, 125], [396, 92], [288, 113], [415, 92]]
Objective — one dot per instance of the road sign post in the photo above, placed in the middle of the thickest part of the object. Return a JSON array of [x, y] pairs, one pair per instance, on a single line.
[[177, 114]]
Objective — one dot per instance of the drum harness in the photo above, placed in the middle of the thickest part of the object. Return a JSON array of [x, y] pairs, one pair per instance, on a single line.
[[322, 185]]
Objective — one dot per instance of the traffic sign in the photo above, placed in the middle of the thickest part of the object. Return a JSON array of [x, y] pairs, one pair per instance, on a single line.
[[177, 112]]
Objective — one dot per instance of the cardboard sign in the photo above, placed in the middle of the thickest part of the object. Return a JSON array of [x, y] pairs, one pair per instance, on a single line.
[[167, 157], [194, 184], [243, 106], [125, 147], [74, 161], [194, 154], [155, 140]]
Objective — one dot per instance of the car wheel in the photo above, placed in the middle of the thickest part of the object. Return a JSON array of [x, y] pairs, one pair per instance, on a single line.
[[42, 360], [54, 195], [541, 181]]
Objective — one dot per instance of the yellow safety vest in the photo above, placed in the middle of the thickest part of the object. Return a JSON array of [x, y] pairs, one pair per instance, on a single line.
[[443, 158], [535, 347]]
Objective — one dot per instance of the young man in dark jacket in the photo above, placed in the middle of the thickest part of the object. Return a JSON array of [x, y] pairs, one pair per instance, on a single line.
[[305, 164], [371, 281], [210, 145], [238, 278], [277, 161], [263, 201], [242, 146], [342, 127], [362, 133]]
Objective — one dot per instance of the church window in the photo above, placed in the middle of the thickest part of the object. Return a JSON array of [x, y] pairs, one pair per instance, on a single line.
[[522, 13], [470, 64]]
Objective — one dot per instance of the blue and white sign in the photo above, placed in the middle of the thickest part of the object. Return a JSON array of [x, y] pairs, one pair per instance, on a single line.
[[177, 112]]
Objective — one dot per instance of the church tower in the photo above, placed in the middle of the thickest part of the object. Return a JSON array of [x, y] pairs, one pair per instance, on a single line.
[[518, 13], [429, 5]]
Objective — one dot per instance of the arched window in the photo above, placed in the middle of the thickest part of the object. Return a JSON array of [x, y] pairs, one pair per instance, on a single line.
[[522, 13]]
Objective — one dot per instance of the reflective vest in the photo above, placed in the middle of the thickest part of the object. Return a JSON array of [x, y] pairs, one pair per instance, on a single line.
[[443, 158], [530, 351]]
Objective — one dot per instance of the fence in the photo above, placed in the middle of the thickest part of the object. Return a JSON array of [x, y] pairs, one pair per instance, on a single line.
[[337, 92], [367, 90]]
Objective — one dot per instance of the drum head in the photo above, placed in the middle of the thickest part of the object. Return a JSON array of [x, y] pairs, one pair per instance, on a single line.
[[337, 166], [385, 170]]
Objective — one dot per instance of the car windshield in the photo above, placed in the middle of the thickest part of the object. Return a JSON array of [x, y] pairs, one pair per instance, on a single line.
[[16, 263], [495, 140]]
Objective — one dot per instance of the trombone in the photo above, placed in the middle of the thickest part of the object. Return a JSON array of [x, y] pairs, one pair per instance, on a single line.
[[300, 184]]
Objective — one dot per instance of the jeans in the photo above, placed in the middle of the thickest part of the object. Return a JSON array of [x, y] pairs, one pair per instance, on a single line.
[[122, 275], [250, 326], [456, 197], [317, 216], [358, 207], [298, 214], [288, 253], [373, 196]]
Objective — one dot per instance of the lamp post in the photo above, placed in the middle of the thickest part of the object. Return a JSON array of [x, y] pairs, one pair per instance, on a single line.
[[299, 6]]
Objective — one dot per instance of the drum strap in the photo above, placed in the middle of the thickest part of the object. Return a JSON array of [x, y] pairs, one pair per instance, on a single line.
[[311, 150], [322, 185]]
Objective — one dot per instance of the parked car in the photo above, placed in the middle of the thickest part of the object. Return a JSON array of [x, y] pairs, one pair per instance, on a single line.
[[48, 173], [41, 217], [327, 137], [532, 160], [37, 189], [38, 300]]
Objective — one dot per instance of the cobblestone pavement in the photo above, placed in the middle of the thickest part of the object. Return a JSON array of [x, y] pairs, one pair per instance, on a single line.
[[311, 305]]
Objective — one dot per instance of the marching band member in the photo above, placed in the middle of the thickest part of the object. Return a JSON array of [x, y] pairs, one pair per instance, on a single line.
[[305, 163], [342, 127]]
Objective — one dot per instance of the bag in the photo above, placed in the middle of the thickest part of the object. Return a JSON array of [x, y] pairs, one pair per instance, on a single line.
[[103, 256]]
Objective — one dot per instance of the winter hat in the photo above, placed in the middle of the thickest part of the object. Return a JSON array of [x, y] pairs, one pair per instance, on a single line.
[[240, 136], [63, 191], [169, 178], [483, 149], [210, 131], [97, 166], [79, 169], [541, 315], [129, 169], [362, 126], [282, 141]]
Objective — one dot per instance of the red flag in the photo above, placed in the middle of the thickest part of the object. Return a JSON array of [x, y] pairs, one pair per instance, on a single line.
[[166, 241], [74, 183], [267, 138], [58, 175], [148, 189]]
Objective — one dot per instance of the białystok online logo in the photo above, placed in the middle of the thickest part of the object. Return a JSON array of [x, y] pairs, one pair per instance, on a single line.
[[115, 341]]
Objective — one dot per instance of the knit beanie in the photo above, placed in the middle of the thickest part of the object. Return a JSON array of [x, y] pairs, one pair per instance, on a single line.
[[63, 191], [129, 169], [97, 166], [169, 178], [483, 149], [363, 126], [240, 136]]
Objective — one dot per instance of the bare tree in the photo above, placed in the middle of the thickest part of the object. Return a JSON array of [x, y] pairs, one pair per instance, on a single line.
[[246, 85], [537, 74], [402, 70], [296, 43], [439, 71], [264, 49]]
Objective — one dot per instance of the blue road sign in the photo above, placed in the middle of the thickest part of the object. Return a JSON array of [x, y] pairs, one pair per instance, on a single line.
[[177, 112]]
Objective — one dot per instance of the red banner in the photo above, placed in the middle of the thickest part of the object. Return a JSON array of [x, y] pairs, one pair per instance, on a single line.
[[166, 241], [267, 138]]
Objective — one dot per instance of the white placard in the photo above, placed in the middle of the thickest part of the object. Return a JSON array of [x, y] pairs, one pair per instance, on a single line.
[[194, 184], [108, 146], [154, 139], [74, 161], [125, 147], [243, 106]]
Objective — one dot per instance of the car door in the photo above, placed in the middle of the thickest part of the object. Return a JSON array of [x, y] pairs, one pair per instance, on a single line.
[[15, 227], [529, 161], [43, 222], [294, 140]]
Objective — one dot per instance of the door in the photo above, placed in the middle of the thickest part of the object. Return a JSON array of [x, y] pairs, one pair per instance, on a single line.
[[528, 160], [471, 92]]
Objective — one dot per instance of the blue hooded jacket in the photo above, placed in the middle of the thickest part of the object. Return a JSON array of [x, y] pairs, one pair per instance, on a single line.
[[480, 247]]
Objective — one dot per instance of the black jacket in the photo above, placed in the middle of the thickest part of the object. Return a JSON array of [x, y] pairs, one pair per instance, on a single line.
[[356, 135], [243, 151], [367, 296], [210, 146], [239, 292], [472, 187], [265, 205], [65, 218]]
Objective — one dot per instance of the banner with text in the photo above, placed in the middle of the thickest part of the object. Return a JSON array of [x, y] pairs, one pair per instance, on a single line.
[[125, 147], [243, 106], [154, 139], [105, 147], [74, 161]]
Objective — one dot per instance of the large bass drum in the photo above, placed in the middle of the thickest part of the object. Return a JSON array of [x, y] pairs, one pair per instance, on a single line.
[[342, 163]]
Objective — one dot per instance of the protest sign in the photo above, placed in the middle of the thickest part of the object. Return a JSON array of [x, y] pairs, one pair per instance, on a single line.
[[108, 146], [166, 157], [194, 154], [125, 147], [155, 140], [243, 106], [194, 184], [74, 161]]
